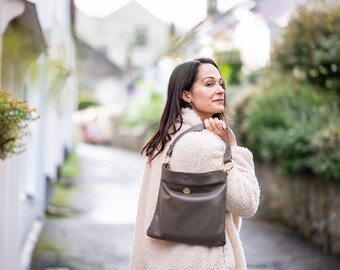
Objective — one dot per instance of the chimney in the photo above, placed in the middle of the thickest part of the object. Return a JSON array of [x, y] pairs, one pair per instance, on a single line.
[[211, 7]]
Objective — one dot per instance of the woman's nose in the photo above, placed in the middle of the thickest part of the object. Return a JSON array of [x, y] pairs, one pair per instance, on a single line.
[[220, 90]]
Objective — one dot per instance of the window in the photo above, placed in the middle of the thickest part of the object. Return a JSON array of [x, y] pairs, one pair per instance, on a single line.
[[140, 36]]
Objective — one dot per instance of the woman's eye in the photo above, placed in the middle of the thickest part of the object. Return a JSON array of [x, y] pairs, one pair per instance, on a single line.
[[210, 84]]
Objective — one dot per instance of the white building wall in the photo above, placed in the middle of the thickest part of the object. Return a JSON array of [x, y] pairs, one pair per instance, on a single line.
[[123, 25], [10, 176], [23, 178], [87, 27], [10, 212], [56, 24], [109, 91], [252, 38]]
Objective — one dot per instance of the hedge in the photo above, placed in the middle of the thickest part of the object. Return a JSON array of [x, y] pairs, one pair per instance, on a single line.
[[294, 125], [310, 47]]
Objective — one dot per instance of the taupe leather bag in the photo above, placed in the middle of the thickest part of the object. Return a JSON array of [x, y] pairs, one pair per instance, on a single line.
[[191, 206]]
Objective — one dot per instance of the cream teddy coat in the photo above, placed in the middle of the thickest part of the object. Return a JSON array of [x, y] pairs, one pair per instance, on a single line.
[[196, 152]]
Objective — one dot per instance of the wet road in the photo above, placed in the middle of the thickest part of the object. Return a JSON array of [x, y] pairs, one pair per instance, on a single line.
[[100, 236], [106, 197]]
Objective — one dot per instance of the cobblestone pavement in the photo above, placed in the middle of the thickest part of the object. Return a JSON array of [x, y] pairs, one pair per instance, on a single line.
[[99, 237]]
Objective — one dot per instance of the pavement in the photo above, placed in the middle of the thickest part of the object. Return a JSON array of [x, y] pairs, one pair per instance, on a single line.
[[99, 235]]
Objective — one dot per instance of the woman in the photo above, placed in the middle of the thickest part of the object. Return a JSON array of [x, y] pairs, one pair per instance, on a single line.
[[196, 94]]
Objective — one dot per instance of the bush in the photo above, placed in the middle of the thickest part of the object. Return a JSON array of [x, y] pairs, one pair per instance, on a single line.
[[310, 47], [294, 125], [145, 111], [14, 118], [69, 170], [87, 100], [230, 65]]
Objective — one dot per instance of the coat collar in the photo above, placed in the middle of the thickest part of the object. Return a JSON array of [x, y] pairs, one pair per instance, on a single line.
[[190, 117]]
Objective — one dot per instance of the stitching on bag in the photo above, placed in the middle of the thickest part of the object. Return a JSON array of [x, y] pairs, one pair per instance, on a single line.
[[224, 258]]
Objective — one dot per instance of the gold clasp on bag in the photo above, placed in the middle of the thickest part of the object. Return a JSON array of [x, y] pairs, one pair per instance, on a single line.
[[167, 159], [228, 166], [186, 191]]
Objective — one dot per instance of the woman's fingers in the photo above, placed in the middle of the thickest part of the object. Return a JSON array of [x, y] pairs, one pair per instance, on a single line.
[[224, 126], [218, 123], [207, 125], [217, 126], [210, 124], [214, 124]]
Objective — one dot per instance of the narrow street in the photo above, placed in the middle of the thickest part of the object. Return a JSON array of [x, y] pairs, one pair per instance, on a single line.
[[99, 236]]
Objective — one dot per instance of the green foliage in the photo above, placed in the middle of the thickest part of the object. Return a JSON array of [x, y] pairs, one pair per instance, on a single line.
[[144, 111], [230, 65], [295, 125], [61, 194], [231, 57], [254, 76], [290, 119], [42, 247], [226, 71], [310, 47], [87, 100], [14, 118], [70, 169]]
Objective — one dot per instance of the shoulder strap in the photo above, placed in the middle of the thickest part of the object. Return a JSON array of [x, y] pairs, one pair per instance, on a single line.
[[198, 127], [227, 157]]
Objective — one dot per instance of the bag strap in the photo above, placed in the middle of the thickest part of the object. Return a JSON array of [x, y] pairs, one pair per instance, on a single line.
[[227, 157]]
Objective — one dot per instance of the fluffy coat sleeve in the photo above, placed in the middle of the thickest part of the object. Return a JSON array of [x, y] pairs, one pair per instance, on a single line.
[[243, 191]]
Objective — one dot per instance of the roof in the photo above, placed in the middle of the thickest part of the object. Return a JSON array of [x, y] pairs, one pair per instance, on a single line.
[[89, 55], [137, 5], [270, 10]]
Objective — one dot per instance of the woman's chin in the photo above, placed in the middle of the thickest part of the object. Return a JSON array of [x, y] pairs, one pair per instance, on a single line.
[[219, 109]]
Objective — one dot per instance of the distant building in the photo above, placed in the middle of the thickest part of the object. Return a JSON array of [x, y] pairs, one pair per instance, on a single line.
[[275, 14], [131, 37], [248, 26], [99, 75]]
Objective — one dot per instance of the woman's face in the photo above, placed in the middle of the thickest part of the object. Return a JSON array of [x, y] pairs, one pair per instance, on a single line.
[[207, 94]]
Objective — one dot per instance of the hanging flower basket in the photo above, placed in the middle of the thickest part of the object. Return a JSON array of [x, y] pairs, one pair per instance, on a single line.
[[15, 116]]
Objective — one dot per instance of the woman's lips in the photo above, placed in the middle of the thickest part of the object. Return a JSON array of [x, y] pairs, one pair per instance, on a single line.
[[218, 100]]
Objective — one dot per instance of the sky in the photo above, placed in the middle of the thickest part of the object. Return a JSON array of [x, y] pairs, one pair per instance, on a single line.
[[183, 13]]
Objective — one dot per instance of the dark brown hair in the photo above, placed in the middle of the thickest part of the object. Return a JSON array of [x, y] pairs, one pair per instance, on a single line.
[[182, 79]]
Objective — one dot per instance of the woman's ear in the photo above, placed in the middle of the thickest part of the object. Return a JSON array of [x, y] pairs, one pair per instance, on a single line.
[[186, 96]]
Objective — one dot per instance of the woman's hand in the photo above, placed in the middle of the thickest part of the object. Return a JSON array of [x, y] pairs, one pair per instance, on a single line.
[[218, 127]]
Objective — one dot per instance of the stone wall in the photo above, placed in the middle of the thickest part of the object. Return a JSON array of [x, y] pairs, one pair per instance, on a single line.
[[309, 205]]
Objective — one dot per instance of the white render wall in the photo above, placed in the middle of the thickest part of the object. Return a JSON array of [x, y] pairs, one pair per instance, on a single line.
[[55, 23], [23, 178], [10, 245], [9, 175], [252, 38]]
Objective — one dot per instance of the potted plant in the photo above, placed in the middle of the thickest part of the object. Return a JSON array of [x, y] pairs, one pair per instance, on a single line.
[[14, 118]]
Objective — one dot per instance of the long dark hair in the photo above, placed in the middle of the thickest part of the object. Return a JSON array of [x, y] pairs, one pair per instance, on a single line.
[[182, 79]]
